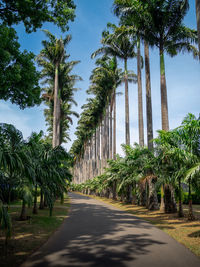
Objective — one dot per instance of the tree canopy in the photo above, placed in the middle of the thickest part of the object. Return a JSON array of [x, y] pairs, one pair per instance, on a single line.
[[19, 80], [33, 13]]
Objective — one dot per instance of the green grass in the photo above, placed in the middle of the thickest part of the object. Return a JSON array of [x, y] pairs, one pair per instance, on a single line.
[[28, 236]]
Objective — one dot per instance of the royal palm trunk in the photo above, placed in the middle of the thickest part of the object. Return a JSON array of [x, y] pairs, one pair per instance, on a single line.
[[151, 199], [148, 98], [105, 137], [163, 89], [111, 134], [56, 111], [198, 22], [108, 132], [95, 153], [127, 126], [170, 203], [140, 105], [114, 125], [98, 150], [102, 145]]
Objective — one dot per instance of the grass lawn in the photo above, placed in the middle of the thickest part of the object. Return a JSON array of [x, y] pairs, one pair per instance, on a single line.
[[184, 231], [27, 236]]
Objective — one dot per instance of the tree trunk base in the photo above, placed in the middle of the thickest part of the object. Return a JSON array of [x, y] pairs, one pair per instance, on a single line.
[[152, 199], [191, 216], [170, 203]]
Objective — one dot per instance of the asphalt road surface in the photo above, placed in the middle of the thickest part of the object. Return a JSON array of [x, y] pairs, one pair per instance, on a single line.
[[98, 234]]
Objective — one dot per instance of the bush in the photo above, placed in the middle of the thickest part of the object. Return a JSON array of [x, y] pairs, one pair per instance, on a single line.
[[195, 198], [185, 200]]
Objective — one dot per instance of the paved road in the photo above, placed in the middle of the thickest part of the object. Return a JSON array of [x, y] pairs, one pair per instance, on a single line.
[[97, 234]]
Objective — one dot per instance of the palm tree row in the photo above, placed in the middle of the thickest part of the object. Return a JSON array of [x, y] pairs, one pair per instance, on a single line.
[[175, 159], [96, 131], [58, 87], [156, 23], [27, 167], [105, 79], [160, 24]]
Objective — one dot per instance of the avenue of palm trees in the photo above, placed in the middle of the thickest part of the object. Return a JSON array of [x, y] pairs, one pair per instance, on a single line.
[[145, 170], [151, 171]]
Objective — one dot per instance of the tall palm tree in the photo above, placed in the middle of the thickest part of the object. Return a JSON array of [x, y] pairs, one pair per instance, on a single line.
[[50, 58], [124, 10], [121, 47], [161, 24], [148, 98], [140, 104], [131, 32], [170, 35], [67, 89]]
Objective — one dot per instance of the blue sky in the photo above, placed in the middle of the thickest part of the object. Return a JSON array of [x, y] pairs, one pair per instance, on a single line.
[[182, 74]]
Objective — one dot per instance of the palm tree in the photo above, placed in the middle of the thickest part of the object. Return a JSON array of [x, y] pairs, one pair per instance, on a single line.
[[140, 104], [168, 34], [132, 32], [11, 156], [50, 58], [160, 24], [125, 10], [148, 98], [67, 89], [189, 132], [121, 47]]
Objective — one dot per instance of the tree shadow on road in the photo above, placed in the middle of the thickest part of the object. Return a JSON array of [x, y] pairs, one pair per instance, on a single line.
[[96, 235]]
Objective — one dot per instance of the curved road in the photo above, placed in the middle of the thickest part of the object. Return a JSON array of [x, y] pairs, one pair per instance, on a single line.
[[98, 234]]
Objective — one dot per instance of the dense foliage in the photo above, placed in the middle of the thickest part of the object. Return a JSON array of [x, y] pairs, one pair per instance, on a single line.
[[29, 167], [19, 80], [174, 162], [34, 13]]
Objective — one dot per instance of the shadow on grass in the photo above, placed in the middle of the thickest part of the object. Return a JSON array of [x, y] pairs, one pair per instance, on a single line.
[[195, 234], [29, 235]]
